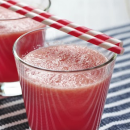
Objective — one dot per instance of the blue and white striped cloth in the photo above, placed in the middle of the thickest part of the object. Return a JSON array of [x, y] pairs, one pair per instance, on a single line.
[[116, 114]]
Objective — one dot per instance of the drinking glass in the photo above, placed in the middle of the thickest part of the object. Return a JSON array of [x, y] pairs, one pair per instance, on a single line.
[[58, 99], [13, 26]]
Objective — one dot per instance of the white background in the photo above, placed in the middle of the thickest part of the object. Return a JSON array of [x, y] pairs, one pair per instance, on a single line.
[[94, 14]]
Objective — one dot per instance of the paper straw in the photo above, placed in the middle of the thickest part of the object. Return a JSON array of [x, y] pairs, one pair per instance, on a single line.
[[61, 27], [83, 29]]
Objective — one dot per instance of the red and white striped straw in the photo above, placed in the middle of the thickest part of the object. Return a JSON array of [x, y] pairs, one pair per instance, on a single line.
[[61, 27], [83, 29]]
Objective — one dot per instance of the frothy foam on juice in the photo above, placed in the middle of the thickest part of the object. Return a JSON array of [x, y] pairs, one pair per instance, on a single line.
[[64, 58], [22, 24]]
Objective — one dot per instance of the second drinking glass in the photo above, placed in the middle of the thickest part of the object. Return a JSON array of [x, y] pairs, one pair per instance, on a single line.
[[12, 26]]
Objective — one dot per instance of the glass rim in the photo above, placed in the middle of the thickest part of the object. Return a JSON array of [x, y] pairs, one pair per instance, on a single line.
[[22, 17], [59, 71]]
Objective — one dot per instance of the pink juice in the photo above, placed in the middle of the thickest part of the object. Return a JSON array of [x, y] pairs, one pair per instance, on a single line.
[[10, 30], [69, 100]]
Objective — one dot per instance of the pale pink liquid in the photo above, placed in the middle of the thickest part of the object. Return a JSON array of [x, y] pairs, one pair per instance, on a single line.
[[64, 101], [10, 30]]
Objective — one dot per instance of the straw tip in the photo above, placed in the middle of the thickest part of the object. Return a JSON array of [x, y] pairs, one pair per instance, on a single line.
[[121, 44], [122, 51]]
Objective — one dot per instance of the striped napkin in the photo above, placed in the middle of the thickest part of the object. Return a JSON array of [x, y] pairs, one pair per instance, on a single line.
[[116, 114]]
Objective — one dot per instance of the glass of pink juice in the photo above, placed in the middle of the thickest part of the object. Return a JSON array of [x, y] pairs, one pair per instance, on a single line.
[[64, 82], [12, 26]]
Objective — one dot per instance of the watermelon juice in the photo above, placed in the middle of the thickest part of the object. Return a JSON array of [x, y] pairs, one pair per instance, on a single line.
[[12, 25], [64, 93]]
